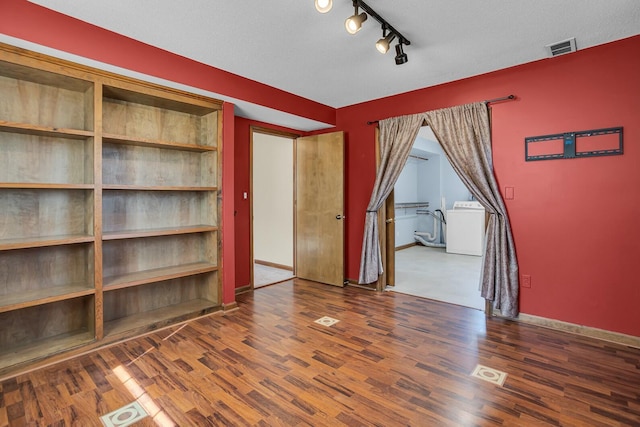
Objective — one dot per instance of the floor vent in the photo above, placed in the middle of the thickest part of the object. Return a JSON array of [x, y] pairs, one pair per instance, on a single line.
[[125, 416], [489, 374], [560, 48], [326, 321]]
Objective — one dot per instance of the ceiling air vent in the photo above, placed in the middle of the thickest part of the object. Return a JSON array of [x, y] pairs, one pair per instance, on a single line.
[[560, 48]]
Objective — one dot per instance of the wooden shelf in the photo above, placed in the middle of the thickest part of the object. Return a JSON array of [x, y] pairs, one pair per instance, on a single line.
[[43, 296], [39, 242], [156, 188], [29, 129], [161, 100], [169, 231], [157, 318], [46, 186], [146, 142], [81, 149], [43, 348], [156, 275]]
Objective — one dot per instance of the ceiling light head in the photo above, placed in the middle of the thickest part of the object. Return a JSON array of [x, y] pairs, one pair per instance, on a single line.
[[401, 57], [383, 44], [324, 6], [354, 22]]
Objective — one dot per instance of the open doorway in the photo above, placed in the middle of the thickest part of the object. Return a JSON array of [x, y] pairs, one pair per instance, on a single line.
[[272, 209], [297, 207], [426, 264]]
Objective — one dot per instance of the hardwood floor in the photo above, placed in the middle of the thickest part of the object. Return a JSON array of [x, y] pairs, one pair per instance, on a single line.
[[391, 360]]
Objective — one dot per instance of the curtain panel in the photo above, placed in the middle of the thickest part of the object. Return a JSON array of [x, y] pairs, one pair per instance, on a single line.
[[397, 135], [464, 133]]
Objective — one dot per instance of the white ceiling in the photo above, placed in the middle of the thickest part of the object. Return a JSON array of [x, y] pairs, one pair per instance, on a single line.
[[287, 44]]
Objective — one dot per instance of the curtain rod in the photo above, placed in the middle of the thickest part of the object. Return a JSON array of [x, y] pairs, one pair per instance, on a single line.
[[487, 101], [504, 98]]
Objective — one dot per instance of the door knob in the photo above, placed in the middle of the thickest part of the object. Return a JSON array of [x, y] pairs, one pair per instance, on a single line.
[[390, 220], [341, 216]]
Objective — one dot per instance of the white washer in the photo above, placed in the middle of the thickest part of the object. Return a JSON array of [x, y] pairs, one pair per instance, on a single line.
[[465, 228]]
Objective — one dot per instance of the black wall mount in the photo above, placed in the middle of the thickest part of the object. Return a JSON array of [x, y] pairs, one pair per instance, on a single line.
[[570, 149]]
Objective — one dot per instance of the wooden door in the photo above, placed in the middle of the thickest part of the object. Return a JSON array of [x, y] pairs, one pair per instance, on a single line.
[[390, 235], [320, 208], [387, 227]]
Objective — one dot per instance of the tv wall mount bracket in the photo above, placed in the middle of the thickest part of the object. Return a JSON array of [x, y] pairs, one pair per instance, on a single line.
[[569, 145]]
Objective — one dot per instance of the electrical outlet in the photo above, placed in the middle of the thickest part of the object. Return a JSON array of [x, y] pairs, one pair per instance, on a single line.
[[526, 281]]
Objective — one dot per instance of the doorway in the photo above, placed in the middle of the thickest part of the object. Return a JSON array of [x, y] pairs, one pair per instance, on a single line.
[[425, 191], [297, 207], [272, 209]]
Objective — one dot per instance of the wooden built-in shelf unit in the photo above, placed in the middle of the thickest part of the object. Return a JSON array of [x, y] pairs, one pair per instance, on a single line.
[[109, 207]]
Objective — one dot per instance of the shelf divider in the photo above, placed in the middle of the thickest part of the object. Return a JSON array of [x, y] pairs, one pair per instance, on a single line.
[[43, 296], [45, 347], [145, 142], [168, 231], [46, 186], [150, 320], [156, 275], [155, 188], [33, 242], [29, 129]]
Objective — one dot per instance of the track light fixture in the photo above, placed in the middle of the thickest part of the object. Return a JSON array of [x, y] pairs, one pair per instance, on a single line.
[[383, 44], [324, 6], [401, 57], [354, 23]]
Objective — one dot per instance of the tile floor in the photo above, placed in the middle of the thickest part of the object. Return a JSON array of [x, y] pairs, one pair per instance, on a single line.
[[264, 275], [432, 273]]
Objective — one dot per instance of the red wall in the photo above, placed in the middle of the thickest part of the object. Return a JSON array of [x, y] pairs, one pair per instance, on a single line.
[[227, 222], [575, 222]]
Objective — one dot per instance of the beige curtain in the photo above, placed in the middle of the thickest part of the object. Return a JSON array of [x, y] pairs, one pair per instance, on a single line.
[[396, 139], [465, 135]]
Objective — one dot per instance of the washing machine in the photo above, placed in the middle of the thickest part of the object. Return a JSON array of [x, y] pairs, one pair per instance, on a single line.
[[465, 228]]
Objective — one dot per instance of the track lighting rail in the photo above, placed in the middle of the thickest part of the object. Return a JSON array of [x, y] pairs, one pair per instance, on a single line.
[[353, 24], [385, 25]]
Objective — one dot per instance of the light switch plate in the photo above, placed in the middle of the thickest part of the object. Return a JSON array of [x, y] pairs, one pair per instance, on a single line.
[[508, 193]]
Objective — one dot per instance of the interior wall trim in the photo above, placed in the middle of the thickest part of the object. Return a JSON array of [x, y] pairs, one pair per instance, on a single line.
[[233, 306], [355, 284], [243, 289], [587, 331], [407, 246], [274, 265]]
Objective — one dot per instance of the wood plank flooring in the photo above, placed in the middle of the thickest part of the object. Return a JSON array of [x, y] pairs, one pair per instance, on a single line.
[[391, 360]]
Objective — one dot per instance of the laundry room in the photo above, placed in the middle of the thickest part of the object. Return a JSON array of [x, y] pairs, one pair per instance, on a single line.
[[428, 196], [427, 183]]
